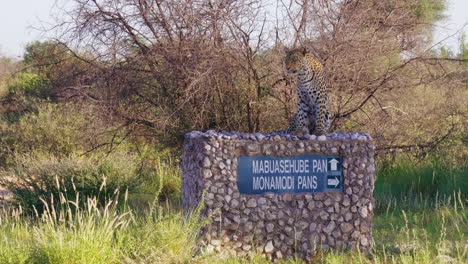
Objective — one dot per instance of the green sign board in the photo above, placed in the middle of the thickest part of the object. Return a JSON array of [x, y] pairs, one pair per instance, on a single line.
[[299, 174]]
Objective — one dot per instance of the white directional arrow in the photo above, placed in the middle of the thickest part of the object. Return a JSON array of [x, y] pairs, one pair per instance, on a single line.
[[335, 181], [334, 164]]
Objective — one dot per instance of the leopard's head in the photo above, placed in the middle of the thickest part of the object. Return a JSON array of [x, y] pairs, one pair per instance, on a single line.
[[294, 60], [300, 59]]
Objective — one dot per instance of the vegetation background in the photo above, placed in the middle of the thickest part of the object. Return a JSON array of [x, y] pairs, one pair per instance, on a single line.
[[92, 122]]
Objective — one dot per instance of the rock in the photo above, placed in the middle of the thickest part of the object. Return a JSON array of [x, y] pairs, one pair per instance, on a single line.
[[253, 148], [346, 202], [234, 203], [281, 224], [355, 234], [251, 203], [248, 226], [328, 202], [323, 215], [365, 227], [363, 212], [302, 225], [270, 227], [222, 165], [269, 247], [330, 227], [262, 201], [300, 204], [346, 227], [246, 247], [364, 241], [259, 136], [207, 174], [348, 216], [215, 242], [336, 234], [287, 197], [236, 219], [209, 249], [206, 162], [312, 227]]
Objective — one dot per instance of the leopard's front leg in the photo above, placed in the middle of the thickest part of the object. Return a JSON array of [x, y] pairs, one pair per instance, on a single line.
[[323, 121], [300, 123]]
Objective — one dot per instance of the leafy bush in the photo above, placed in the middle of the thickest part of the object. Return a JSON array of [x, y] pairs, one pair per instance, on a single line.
[[58, 130], [30, 84]]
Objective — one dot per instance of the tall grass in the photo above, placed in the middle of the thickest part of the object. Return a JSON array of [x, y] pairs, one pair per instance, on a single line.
[[33, 178], [409, 185], [415, 222], [94, 232]]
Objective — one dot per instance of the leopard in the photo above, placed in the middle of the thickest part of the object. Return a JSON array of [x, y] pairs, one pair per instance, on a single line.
[[313, 114]]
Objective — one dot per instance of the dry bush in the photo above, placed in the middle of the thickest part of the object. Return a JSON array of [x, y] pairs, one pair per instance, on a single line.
[[174, 66]]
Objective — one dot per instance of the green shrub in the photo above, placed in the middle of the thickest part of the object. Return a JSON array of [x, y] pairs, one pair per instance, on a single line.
[[30, 84], [58, 130], [53, 129]]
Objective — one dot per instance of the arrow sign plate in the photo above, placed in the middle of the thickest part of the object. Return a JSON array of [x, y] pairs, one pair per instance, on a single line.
[[298, 174]]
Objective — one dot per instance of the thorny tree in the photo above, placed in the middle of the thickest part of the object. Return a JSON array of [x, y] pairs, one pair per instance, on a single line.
[[181, 65]]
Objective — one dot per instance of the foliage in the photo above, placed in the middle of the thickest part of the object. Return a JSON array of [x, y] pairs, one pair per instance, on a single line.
[[30, 84], [100, 231], [7, 67], [420, 184], [97, 232], [431, 9], [162, 235], [160, 176], [85, 123], [33, 178], [223, 68], [54, 63], [463, 49], [50, 129]]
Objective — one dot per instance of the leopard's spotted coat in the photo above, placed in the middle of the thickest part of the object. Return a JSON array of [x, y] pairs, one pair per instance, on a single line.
[[313, 115]]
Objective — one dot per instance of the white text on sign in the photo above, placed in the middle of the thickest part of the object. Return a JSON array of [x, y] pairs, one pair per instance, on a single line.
[[288, 166]]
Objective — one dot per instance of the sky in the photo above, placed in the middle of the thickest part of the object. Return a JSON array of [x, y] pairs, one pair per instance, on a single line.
[[18, 18]]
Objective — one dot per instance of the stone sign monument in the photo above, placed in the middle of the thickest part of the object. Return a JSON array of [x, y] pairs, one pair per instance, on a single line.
[[281, 195]]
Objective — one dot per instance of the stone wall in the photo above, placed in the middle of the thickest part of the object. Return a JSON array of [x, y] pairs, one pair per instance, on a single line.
[[286, 224]]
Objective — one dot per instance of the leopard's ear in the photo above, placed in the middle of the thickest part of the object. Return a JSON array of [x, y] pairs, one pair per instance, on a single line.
[[304, 50]]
